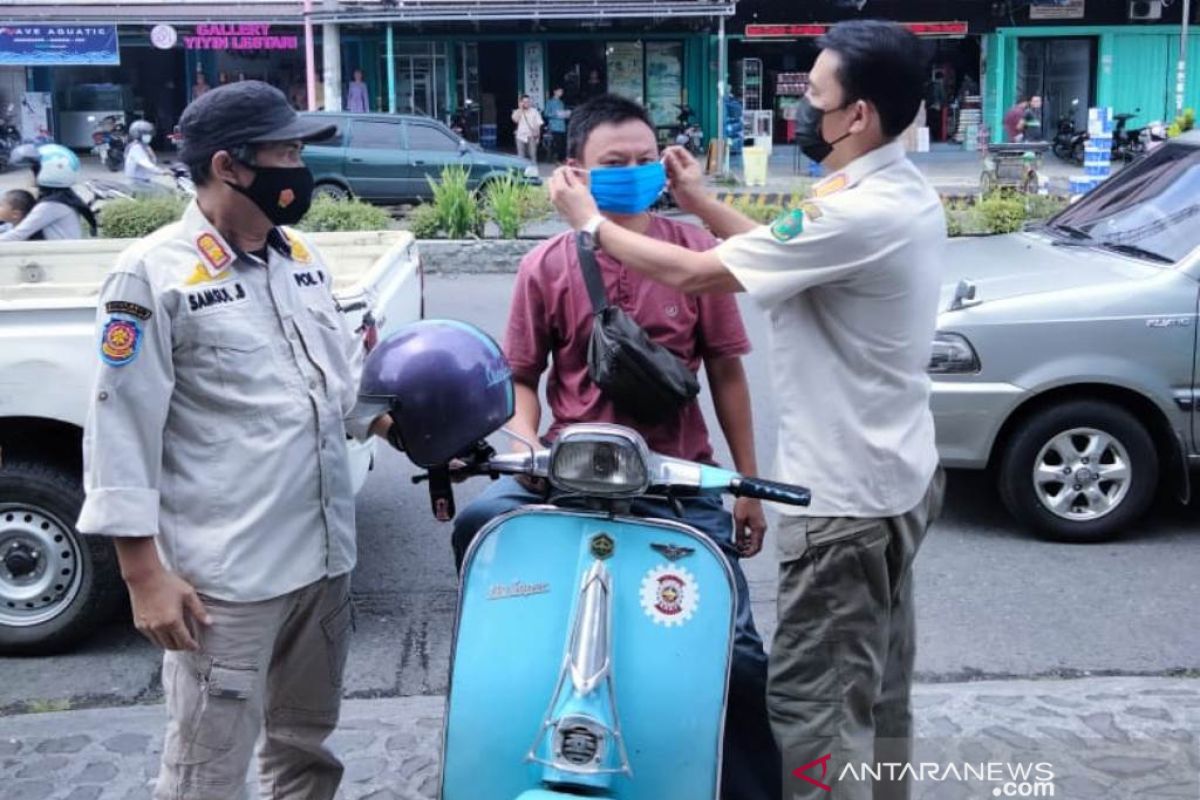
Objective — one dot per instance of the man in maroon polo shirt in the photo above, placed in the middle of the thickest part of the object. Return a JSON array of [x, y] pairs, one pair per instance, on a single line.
[[549, 327]]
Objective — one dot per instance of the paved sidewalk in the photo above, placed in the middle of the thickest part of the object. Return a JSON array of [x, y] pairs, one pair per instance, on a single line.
[[1102, 738]]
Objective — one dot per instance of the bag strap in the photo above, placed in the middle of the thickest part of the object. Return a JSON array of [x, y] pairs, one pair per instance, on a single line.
[[586, 247]]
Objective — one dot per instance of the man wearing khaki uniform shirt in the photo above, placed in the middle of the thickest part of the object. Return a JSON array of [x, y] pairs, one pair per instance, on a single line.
[[215, 455], [851, 282]]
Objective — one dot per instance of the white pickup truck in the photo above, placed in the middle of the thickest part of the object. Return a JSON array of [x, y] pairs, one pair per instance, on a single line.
[[56, 585]]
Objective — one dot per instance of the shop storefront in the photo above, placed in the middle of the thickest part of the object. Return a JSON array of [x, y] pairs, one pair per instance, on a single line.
[[86, 55], [770, 64], [1130, 69], [436, 58], [476, 82], [155, 71]]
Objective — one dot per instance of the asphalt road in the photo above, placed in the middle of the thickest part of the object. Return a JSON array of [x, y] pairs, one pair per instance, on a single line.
[[992, 601]]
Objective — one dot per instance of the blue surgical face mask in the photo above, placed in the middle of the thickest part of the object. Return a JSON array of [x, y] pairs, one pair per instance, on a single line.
[[628, 190]]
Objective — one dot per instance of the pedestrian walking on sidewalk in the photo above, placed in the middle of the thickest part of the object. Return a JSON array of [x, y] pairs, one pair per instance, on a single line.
[[851, 281], [215, 456], [529, 124]]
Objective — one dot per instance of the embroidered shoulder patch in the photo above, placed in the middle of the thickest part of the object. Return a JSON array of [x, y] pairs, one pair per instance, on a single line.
[[834, 183], [811, 210], [213, 251], [129, 309], [300, 252], [120, 341], [788, 225]]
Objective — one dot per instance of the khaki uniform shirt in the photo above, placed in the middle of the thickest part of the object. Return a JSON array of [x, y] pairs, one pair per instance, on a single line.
[[220, 413], [851, 283]]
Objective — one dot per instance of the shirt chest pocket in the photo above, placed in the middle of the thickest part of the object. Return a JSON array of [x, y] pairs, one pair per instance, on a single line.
[[325, 341], [235, 363]]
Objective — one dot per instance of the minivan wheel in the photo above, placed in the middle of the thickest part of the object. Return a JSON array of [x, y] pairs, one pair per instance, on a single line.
[[331, 190], [56, 586], [1081, 471]]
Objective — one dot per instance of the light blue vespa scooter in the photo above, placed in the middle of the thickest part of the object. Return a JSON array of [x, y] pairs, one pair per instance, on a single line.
[[592, 648]]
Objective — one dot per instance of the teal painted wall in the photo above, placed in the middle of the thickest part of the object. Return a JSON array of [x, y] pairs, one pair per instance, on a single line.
[[1135, 68], [1142, 76]]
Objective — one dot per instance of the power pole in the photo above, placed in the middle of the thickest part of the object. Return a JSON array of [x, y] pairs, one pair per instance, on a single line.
[[722, 67], [1181, 71]]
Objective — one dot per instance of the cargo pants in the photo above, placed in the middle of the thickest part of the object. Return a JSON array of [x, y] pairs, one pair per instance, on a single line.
[[841, 662], [273, 666]]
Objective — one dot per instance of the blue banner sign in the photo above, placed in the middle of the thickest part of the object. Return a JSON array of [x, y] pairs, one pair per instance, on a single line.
[[58, 45]]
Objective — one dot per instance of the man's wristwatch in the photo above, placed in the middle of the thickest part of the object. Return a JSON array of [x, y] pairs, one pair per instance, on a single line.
[[593, 224]]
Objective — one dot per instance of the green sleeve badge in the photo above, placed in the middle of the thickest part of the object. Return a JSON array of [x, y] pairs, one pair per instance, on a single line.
[[788, 225]]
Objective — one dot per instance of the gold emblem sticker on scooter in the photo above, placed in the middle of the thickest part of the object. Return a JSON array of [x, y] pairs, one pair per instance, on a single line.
[[602, 546], [670, 595]]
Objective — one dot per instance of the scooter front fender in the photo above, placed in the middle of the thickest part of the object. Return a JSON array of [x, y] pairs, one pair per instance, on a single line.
[[668, 649]]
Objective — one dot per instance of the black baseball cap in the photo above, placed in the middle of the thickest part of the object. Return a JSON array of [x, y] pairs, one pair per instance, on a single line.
[[246, 112]]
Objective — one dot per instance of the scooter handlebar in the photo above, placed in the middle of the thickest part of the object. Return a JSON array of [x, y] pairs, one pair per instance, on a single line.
[[771, 491]]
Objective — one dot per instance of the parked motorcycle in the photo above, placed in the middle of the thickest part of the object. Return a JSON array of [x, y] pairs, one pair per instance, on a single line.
[[686, 132], [108, 140], [1153, 136], [10, 137], [1069, 141], [1127, 142]]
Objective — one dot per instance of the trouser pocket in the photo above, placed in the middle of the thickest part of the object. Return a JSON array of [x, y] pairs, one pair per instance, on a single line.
[[210, 699]]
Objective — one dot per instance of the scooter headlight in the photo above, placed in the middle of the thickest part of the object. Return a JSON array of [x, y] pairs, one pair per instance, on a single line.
[[600, 460]]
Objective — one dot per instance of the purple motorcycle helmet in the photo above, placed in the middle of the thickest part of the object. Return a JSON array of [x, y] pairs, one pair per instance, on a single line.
[[446, 384]]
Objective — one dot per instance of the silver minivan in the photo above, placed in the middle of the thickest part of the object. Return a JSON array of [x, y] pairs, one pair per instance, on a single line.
[[1066, 355]]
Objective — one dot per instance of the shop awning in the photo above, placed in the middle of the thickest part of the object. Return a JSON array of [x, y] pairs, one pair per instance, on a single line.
[[513, 10], [153, 12]]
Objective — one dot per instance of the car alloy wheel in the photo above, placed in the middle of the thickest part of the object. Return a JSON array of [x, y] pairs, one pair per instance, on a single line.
[[1082, 474]]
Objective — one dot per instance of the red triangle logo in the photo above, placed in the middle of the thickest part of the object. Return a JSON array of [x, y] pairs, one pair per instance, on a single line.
[[823, 762]]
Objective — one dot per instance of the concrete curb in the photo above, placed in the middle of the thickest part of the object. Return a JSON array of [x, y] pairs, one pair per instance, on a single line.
[[474, 256]]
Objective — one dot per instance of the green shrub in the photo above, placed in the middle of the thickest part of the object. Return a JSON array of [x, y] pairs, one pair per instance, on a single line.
[[963, 217], [457, 206], [133, 219], [424, 222], [503, 202], [328, 214], [1183, 123], [511, 204], [1002, 212], [535, 203], [1041, 207], [762, 213]]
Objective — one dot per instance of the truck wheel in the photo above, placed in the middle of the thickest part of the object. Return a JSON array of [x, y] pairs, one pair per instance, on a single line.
[[1082, 471], [56, 586]]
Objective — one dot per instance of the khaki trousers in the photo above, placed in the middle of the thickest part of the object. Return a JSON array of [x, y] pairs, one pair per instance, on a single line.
[[840, 671], [528, 149], [273, 666]]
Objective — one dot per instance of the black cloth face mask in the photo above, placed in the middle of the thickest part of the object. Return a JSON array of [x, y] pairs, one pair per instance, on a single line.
[[808, 131], [283, 194]]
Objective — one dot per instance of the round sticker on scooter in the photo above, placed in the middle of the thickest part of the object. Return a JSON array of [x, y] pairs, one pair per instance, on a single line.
[[670, 595]]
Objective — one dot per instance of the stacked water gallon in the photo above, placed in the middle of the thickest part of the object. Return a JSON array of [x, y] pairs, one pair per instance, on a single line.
[[1097, 152]]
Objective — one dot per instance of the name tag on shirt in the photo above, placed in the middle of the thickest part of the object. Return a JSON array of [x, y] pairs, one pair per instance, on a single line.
[[207, 300], [309, 278]]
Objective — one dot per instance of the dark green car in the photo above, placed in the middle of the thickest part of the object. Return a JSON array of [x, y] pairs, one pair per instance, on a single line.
[[388, 158]]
